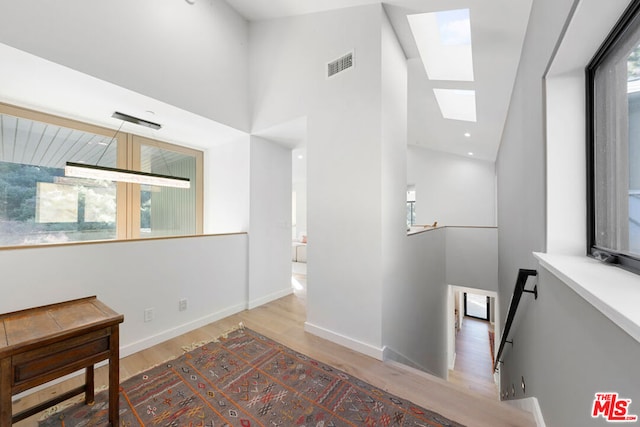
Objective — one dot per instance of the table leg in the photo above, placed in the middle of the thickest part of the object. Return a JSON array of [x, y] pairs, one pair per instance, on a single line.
[[114, 377], [89, 386], [5, 392]]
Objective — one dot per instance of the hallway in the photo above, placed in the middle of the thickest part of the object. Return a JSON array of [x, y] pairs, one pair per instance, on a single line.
[[473, 364]]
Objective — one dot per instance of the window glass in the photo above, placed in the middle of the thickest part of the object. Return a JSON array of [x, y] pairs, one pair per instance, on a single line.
[[38, 204], [614, 145], [411, 207], [166, 211]]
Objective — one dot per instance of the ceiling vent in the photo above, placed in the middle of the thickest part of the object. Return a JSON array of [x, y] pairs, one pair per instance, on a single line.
[[343, 63]]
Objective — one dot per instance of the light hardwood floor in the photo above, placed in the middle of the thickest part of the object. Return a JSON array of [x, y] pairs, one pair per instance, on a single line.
[[283, 321], [473, 365]]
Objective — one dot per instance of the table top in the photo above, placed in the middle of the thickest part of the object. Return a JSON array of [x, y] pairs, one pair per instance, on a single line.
[[22, 329]]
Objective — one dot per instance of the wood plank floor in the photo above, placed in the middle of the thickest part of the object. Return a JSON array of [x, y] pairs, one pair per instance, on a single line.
[[283, 321], [473, 367]]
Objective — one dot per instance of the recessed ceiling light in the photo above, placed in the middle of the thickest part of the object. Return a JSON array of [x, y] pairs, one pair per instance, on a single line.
[[467, 135], [300, 156], [470, 153]]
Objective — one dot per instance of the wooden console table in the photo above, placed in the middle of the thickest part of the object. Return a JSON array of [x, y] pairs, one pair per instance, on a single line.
[[41, 344]]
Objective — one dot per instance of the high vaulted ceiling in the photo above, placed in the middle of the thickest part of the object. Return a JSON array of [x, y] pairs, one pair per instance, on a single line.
[[497, 32]]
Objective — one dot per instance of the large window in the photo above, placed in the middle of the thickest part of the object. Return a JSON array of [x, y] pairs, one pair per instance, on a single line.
[[613, 99], [40, 205]]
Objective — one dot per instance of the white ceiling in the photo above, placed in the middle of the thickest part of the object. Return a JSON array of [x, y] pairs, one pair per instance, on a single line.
[[497, 27], [70, 93], [497, 31]]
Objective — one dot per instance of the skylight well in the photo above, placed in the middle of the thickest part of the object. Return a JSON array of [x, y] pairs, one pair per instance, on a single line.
[[444, 43], [457, 104]]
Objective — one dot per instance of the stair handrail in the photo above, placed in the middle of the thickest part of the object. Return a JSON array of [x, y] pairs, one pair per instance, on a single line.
[[521, 281]]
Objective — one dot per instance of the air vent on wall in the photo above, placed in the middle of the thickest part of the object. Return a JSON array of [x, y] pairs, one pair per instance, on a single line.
[[343, 63]]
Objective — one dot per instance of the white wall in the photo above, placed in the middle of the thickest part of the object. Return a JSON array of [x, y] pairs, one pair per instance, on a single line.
[[420, 327], [226, 187], [192, 56], [344, 176], [451, 189], [270, 227], [472, 257], [211, 272], [394, 167]]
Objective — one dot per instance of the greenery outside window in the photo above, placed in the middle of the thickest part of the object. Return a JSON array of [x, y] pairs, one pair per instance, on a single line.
[[613, 145], [39, 205]]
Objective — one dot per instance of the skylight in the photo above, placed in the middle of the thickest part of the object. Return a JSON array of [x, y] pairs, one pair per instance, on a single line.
[[457, 104], [444, 42]]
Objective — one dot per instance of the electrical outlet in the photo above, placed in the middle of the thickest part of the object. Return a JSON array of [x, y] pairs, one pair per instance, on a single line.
[[182, 304], [148, 314]]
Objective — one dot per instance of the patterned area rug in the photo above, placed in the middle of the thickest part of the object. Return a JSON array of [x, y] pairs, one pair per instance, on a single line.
[[248, 380]]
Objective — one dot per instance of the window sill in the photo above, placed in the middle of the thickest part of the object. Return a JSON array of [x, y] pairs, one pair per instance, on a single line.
[[613, 291]]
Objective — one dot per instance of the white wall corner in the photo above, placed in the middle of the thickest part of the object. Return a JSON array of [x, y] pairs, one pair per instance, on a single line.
[[359, 346], [531, 405], [268, 298], [393, 356]]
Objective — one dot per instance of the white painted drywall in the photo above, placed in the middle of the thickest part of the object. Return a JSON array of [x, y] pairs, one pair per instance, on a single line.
[[394, 167], [472, 257], [209, 271], [566, 164], [344, 174], [192, 56], [420, 328], [270, 226], [227, 187], [450, 189]]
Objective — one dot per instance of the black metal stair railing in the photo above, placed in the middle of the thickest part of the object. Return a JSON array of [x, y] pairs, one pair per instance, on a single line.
[[521, 281]]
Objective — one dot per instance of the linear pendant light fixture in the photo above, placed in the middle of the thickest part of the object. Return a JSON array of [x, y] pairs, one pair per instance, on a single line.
[[83, 170]]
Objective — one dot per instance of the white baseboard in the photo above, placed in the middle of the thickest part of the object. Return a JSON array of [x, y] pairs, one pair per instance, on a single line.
[[452, 362], [531, 405], [343, 340], [163, 336], [268, 298]]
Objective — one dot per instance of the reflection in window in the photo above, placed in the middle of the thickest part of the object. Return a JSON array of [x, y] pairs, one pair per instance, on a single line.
[[613, 94], [38, 204], [166, 211]]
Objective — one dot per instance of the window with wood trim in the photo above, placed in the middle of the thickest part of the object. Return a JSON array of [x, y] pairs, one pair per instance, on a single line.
[[40, 205]]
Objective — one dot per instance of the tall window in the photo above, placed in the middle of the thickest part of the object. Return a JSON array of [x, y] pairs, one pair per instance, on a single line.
[[613, 99], [40, 205], [411, 207]]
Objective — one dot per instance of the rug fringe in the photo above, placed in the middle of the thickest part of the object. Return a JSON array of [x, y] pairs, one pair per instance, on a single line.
[[66, 404], [224, 335]]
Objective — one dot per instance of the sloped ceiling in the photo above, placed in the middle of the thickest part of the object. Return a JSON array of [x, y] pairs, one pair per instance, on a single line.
[[498, 28]]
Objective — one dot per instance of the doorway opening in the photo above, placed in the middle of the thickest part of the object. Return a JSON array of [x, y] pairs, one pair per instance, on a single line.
[[473, 326], [477, 306]]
